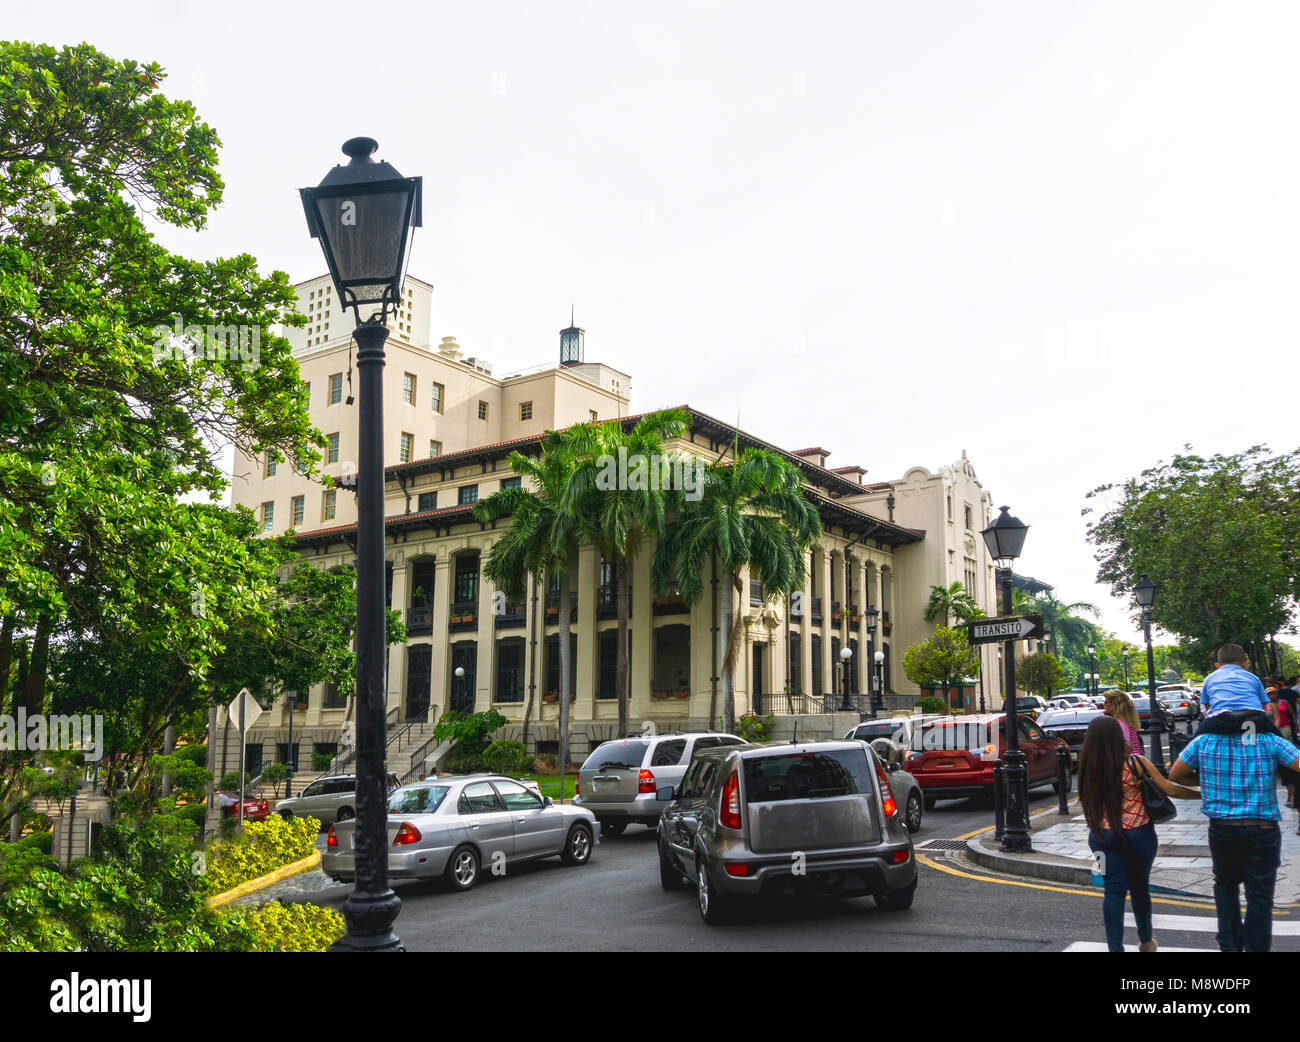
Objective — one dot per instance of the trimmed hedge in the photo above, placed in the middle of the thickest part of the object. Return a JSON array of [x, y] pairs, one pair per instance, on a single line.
[[295, 927], [264, 847]]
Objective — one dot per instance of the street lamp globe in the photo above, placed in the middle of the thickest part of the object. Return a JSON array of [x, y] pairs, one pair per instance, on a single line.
[[1005, 538], [880, 658], [363, 214], [846, 654]]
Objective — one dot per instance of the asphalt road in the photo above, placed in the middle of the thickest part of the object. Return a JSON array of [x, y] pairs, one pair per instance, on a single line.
[[615, 903]]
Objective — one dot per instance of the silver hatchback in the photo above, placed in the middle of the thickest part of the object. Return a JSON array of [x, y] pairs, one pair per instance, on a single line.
[[818, 817]]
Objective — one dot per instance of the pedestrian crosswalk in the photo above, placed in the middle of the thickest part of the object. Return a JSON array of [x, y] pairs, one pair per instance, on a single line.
[[1162, 924]]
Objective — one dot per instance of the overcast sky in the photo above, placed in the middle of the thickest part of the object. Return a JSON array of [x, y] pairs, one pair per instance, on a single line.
[[1060, 236]]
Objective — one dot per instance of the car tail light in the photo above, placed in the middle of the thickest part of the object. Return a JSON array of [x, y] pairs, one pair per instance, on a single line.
[[577, 789], [646, 782], [737, 869], [406, 833], [730, 815], [899, 856], [331, 840], [886, 793]]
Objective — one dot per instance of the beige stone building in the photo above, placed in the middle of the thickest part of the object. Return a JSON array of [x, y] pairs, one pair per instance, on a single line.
[[468, 648]]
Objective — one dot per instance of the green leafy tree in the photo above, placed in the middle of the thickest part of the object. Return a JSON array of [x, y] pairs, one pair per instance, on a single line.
[[943, 660], [1040, 673], [1065, 631], [1220, 537], [751, 514]]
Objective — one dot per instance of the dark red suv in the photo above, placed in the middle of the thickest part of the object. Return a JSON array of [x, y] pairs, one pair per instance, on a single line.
[[952, 758]]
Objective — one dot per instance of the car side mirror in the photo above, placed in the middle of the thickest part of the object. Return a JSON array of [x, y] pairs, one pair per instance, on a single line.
[[893, 766], [547, 801], [665, 792]]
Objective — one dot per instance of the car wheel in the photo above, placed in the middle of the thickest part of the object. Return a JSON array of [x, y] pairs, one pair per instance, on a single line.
[[930, 801], [613, 828], [669, 878], [462, 869], [577, 847], [912, 813], [896, 900], [345, 814], [714, 907]]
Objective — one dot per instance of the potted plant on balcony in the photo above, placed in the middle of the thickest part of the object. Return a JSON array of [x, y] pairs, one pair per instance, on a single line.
[[659, 696], [551, 697], [682, 692]]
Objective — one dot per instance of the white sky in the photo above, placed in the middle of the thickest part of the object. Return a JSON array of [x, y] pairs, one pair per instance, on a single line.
[[1062, 237]]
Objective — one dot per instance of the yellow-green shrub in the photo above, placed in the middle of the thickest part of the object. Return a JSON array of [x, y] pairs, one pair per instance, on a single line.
[[264, 847], [295, 927]]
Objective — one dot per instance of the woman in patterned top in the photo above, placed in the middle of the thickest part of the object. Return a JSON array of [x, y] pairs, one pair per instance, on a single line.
[[1108, 793]]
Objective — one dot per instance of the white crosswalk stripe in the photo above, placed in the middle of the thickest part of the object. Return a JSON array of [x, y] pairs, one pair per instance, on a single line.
[[1164, 923]]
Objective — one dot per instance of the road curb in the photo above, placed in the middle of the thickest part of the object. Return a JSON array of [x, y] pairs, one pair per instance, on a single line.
[[311, 861], [1037, 866]]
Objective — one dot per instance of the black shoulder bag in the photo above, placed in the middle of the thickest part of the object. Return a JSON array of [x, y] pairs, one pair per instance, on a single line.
[[1159, 807]]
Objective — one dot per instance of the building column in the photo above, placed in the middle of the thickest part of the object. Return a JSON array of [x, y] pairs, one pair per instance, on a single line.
[[439, 658], [641, 629], [397, 652], [827, 630], [864, 633], [484, 668], [806, 629]]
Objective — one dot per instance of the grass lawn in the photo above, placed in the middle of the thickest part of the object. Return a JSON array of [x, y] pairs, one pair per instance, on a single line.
[[550, 784]]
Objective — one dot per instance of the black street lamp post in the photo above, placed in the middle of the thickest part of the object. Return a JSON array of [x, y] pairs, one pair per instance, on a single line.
[[878, 696], [1126, 653], [846, 657], [1005, 538], [873, 613], [1092, 669], [363, 214], [1145, 593], [292, 699]]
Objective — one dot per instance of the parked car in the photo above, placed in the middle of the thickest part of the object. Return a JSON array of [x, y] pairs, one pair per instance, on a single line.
[[1030, 705], [1183, 703], [254, 809], [953, 758], [1070, 702], [1070, 725], [814, 817], [619, 780], [460, 827], [895, 729], [1142, 703], [329, 799]]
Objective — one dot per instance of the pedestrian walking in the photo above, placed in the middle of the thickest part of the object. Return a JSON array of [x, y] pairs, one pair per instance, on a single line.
[[1119, 829], [1121, 707], [1238, 777]]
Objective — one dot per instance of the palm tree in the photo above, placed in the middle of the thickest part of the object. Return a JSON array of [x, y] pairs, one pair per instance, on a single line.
[[541, 542], [951, 602], [752, 513], [618, 520], [1063, 626]]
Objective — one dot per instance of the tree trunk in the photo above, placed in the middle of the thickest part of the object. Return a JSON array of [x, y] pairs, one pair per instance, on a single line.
[[731, 589], [6, 654], [39, 664], [169, 747], [621, 565], [532, 664], [715, 647], [565, 668]]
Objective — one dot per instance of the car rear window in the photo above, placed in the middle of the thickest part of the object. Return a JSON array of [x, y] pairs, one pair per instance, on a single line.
[[423, 800], [627, 754], [870, 732], [668, 754], [951, 735], [807, 775]]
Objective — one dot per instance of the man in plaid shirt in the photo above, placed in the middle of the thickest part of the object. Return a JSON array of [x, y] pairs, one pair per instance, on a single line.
[[1238, 780]]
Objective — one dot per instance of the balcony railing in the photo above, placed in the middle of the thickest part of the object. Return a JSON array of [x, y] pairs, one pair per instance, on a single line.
[[607, 601], [464, 615], [419, 621], [511, 617], [553, 606]]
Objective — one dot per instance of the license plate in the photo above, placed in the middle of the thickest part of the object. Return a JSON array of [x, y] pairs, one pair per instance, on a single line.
[[604, 784]]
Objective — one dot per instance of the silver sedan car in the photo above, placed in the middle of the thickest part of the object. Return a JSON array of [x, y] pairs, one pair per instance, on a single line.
[[461, 827]]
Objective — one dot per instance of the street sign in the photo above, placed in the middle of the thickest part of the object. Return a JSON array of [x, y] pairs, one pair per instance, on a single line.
[[251, 711], [1007, 627]]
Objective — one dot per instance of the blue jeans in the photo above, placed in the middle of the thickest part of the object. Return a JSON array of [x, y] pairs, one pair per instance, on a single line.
[[1126, 872], [1246, 855]]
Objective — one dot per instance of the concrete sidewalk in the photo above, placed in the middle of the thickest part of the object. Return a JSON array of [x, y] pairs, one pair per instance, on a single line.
[[1182, 864]]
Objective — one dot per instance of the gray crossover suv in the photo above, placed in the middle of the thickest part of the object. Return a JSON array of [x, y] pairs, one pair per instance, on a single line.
[[817, 817], [620, 780]]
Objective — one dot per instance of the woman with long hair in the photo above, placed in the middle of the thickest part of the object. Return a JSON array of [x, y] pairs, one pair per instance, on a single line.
[[1119, 829], [1121, 707]]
